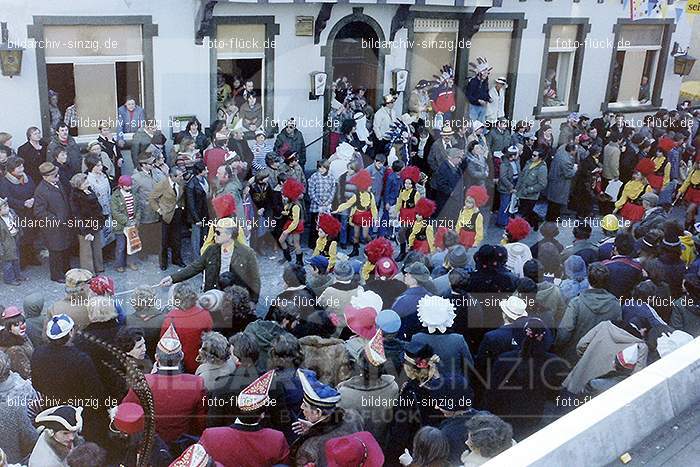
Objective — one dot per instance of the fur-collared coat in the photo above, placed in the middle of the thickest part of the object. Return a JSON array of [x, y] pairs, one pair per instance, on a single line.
[[310, 447], [328, 357]]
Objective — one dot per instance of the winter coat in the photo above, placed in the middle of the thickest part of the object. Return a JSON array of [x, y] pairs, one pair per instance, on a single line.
[[17, 434], [52, 204], [242, 445], [566, 134], [214, 373], [8, 243], [374, 401], [597, 350], [685, 314], [139, 142], [103, 360], [671, 268], [507, 177], [75, 159], [611, 161], [582, 193], [119, 213], [437, 155], [197, 202], [498, 140], [189, 325], [477, 89], [654, 218], [244, 267], [583, 313], [549, 297], [336, 296], [32, 159], [561, 174], [406, 306], [264, 332], [19, 349], [88, 212], [477, 168], [452, 349], [294, 143], [327, 357], [143, 184], [531, 181], [17, 193], [310, 447], [625, 274]]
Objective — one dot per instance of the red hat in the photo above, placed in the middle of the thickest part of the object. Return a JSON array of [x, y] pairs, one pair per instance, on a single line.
[[257, 394], [386, 267], [125, 180], [102, 285], [425, 207], [354, 449], [129, 418], [440, 237], [329, 224], [410, 173], [224, 205], [478, 194], [666, 144], [518, 228], [362, 180], [292, 189], [361, 321], [645, 166], [378, 248], [11, 312]]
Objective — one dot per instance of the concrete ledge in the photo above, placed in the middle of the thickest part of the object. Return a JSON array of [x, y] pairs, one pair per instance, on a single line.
[[606, 427]]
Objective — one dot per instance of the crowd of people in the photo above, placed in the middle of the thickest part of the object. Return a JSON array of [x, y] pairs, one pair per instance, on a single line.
[[410, 334]]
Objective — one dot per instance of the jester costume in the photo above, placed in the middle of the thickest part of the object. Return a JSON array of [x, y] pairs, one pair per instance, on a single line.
[[422, 237], [630, 202], [470, 223], [374, 251], [408, 197], [329, 228], [661, 175]]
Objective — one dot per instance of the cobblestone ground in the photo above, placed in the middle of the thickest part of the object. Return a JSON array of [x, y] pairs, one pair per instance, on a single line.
[[150, 274]]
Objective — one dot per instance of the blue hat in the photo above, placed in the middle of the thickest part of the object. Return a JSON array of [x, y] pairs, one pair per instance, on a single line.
[[319, 262], [316, 393], [388, 321], [59, 326]]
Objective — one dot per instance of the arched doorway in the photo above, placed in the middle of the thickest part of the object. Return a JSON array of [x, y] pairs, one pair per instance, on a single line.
[[356, 56]]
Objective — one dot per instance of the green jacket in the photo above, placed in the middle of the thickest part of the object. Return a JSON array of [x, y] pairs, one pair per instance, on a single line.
[[119, 215], [531, 181], [8, 247], [244, 267]]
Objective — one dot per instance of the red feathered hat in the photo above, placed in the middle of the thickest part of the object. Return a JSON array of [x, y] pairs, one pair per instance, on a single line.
[[362, 180], [329, 224], [518, 228], [478, 194], [410, 173], [292, 189], [425, 207], [224, 205], [666, 144], [377, 249], [645, 166]]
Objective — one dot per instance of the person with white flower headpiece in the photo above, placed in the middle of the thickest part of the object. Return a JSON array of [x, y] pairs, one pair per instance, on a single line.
[[438, 314]]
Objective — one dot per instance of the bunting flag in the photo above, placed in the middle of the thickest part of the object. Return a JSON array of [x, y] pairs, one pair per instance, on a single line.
[[637, 9]]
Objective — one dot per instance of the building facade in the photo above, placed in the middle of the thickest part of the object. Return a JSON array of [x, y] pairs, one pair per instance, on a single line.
[[557, 56]]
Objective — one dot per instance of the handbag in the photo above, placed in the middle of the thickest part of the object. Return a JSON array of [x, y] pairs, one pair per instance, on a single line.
[[133, 241], [513, 205]]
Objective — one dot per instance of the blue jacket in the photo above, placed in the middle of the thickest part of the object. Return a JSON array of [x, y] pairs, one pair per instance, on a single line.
[[637, 309], [477, 89], [452, 349], [129, 125], [392, 186], [447, 177], [625, 274], [406, 306]]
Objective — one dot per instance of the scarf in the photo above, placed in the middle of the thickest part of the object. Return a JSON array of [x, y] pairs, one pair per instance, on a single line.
[[17, 181]]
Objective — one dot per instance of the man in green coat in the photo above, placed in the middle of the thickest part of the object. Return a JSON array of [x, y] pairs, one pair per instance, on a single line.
[[225, 255]]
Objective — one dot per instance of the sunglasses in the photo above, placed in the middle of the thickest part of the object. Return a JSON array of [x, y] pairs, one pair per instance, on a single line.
[[217, 232]]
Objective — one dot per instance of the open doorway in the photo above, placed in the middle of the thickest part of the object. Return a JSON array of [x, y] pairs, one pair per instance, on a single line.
[[356, 56]]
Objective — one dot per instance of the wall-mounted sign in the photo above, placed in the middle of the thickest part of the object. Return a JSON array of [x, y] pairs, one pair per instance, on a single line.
[[304, 26]]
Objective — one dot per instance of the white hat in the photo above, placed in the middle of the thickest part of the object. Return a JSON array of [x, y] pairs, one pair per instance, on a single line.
[[436, 313], [476, 124], [667, 343], [256, 394], [211, 300], [514, 307], [169, 342], [59, 326], [367, 299], [628, 356], [345, 150], [502, 80]]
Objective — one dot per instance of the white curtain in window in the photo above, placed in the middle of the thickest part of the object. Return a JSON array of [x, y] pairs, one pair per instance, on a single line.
[[95, 95]]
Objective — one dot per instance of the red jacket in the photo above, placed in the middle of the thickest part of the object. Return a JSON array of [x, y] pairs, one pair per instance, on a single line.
[[245, 446], [180, 404], [189, 326], [213, 159]]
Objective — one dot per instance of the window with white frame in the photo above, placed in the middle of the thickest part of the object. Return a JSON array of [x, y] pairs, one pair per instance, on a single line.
[[434, 45], [635, 65], [560, 58], [240, 58], [92, 69]]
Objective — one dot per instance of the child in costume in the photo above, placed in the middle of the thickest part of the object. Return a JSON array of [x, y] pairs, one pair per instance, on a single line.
[[292, 219], [406, 204], [690, 193], [328, 230], [630, 202], [470, 223], [661, 175], [364, 208], [374, 251], [422, 236]]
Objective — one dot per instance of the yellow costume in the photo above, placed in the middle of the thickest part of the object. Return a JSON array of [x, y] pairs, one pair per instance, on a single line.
[[423, 236], [292, 219], [692, 180], [360, 207], [632, 191], [472, 221], [327, 248], [662, 173]]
